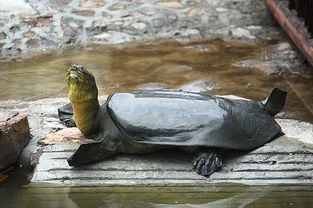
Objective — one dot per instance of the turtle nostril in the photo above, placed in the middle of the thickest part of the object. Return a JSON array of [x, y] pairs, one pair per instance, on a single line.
[[74, 68]]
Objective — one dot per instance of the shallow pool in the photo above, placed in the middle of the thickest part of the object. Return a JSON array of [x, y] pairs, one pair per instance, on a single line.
[[169, 65]]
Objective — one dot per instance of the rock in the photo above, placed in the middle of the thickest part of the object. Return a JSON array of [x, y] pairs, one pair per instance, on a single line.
[[117, 6], [103, 36], [221, 9], [139, 25], [41, 21], [16, 7], [85, 13], [92, 3], [71, 28], [171, 4], [254, 27], [28, 34], [60, 3], [32, 43], [283, 46], [14, 136], [153, 86], [195, 12], [241, 33], [213, 2], [200, 85], [3, 35]]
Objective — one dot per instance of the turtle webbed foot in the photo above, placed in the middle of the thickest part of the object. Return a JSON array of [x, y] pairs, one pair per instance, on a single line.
[[206, 163]]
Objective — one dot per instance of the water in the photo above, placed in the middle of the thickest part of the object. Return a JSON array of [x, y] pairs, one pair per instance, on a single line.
[[171, 65], [217, 196]]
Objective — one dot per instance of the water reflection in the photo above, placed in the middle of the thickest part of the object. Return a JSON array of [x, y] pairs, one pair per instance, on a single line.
[[175, 197]]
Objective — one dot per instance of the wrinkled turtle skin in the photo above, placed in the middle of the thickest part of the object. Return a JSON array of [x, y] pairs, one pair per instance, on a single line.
[[145, 121]]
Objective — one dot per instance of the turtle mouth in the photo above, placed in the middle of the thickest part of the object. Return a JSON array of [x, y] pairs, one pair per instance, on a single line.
[[74, 74]]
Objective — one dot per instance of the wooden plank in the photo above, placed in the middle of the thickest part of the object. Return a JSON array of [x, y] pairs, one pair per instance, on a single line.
[[293, 26]]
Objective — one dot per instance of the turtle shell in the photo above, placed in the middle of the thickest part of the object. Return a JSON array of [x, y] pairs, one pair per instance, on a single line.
[[191, 120]]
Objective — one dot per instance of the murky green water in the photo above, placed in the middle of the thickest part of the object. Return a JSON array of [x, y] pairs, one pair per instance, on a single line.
[[216, 196], [130, 67], [170, 65]]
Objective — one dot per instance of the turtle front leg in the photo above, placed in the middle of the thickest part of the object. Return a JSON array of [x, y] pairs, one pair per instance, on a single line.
[[93, 152], [207, 162]]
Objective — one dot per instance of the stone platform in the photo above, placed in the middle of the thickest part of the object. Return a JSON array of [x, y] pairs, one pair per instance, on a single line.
[[285, 160]]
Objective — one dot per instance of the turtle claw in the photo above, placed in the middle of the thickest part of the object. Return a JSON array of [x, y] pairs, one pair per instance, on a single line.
[[207, 163]]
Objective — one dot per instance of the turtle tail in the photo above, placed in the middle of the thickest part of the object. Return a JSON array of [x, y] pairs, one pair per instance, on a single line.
[[275, 102]]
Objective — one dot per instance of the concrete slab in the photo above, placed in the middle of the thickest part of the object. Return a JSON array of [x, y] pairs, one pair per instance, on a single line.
[[283, 161]]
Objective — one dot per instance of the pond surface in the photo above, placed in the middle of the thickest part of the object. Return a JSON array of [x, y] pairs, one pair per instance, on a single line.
[[216, 196], [167, 65]]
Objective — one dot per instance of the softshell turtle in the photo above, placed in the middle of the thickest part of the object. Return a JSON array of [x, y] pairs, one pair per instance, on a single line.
[[145, 121]]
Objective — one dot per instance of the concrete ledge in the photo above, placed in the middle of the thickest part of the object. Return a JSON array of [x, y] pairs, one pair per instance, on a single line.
[[283, 161]]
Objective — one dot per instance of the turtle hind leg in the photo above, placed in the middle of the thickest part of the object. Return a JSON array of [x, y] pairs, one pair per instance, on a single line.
[[65, 114], [207, 162]]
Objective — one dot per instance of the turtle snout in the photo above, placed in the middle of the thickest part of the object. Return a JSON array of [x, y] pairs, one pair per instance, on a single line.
[[74, 67]]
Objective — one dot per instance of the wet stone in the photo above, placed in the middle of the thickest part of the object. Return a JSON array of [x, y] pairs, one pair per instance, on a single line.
[[117, 6], [171, 18], [171, 4], [213, 2], [85, 13], [17, 41], [195, 12], [28, 34], [71, 28], [91, 3], [242, 33], [14, 28], [32, 43], [103, 36], [44, 21], [158, 22], [221, 9], [139, 25], [200, 85], [283, 46], [60, 3], [3, 35]]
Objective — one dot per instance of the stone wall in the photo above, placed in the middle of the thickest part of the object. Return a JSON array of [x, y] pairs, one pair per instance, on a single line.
[[40, 25]]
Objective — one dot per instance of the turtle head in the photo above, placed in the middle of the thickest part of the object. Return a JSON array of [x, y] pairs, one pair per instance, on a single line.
[[82, 84], [83, 94]]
